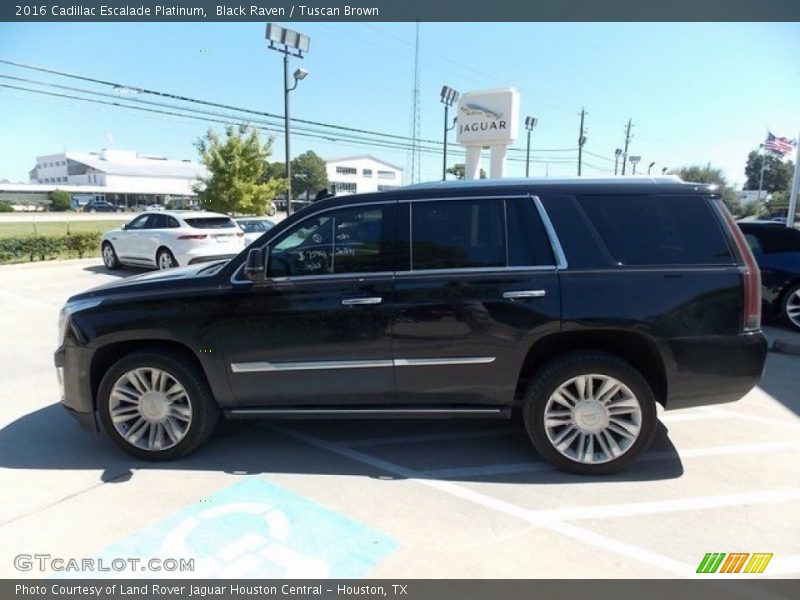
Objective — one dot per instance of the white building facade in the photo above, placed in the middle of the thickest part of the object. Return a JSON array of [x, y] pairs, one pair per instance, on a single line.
[[361, 174], [124, 177]]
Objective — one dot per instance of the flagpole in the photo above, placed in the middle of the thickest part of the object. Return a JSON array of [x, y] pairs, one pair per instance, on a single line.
[[795, 184], [763, 166]]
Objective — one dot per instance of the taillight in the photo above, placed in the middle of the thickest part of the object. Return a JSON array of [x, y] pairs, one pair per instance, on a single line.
[[240, 234], [750, 274], [193, 237]]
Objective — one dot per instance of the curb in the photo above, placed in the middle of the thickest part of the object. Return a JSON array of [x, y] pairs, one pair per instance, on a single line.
[[786, 347]]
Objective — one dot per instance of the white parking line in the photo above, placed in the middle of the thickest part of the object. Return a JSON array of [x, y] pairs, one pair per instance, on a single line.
[[603, 542], [784, 565], [429, 437], [534, 466], [774, 421], [610, 511]]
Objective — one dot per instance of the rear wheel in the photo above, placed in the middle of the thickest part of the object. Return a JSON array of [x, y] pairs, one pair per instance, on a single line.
[[271, 210], [165, 259], [156, 406], [110, 259], [791, 306], [589, 413]]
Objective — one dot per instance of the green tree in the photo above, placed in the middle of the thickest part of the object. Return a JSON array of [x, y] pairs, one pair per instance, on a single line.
[[308, 174], [777, 172], [708, 174], [5, 206], [275, 170], [459, 171], [236, 162], [60, 200]]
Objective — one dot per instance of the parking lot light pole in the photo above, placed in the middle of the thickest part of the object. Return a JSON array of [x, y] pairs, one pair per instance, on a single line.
[[289, 43], [634, 160], [617, 154], [449, 96], [650, 167], [530, 123]]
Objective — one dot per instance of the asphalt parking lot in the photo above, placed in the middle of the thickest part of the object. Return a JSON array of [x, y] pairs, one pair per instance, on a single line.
[[386, 499]]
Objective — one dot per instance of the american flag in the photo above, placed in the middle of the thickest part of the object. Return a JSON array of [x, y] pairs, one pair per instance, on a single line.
[[778, 145]]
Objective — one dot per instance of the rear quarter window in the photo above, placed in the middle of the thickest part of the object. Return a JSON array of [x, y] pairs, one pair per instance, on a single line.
[[659, 230]]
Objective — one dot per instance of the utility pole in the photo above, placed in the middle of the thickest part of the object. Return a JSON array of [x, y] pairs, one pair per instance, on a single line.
[[761, 176], [581, 142], [627, 143]]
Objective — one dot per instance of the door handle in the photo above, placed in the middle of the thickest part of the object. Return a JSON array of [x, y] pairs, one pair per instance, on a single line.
[[522, 294], [362, 301]]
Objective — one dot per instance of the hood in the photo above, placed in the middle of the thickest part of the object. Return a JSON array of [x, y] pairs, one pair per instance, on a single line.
[[180, 278]]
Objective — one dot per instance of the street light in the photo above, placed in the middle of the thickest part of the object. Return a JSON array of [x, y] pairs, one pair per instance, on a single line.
[[664, 170], [581, 143], [617, 154], [530, 123], [634, 160], [448, 97], [288, 43], [650, 166]]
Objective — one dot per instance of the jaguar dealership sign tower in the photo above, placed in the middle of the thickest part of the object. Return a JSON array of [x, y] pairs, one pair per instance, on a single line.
[[487, 119]]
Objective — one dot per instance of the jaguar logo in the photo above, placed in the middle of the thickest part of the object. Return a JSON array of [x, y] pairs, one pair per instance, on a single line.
[[476, 109]]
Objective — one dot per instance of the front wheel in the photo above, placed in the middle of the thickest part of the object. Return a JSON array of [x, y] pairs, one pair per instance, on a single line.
[[589, 413], [110, 259], [791, 306], [156, 406]]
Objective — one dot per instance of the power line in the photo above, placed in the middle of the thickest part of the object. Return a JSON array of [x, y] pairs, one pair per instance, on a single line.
[[140, 90]]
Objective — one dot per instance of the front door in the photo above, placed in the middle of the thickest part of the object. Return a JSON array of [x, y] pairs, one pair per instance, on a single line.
[[318, 330], [480, 287]]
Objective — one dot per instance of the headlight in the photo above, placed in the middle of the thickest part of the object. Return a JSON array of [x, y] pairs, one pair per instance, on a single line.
[[71, 308]]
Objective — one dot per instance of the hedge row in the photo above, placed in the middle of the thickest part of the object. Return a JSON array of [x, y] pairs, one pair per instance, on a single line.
[[40, 247]]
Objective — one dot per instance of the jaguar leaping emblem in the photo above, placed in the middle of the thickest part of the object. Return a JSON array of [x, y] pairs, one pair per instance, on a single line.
[[476, 109]]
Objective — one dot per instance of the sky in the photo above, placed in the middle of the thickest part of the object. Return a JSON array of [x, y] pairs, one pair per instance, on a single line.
[[697, 93]]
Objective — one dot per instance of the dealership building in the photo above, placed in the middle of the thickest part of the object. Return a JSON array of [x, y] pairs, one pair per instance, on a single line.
[[129, 179], [362, 173]]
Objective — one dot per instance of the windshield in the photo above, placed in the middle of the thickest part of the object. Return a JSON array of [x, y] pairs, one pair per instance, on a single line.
[[254, 226]]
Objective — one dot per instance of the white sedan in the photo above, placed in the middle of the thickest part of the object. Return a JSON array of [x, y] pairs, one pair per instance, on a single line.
[[172, 238], [254, 227]]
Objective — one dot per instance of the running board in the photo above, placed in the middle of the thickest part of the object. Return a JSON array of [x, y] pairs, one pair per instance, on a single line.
[[442, 412]]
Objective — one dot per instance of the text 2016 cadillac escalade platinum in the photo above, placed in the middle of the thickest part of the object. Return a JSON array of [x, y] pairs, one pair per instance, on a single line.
[[584, 302]]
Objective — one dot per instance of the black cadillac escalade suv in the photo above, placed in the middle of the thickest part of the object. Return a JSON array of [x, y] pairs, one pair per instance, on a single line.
[[583, 302]]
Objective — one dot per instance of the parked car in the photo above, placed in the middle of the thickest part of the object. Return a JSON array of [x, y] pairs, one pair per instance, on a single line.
[[254, 227], [168, 239], [95, 206], [582, 302], [777, 251]]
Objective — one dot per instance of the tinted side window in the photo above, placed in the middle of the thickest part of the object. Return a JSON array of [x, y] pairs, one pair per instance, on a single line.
[[658, 230], [528, 243], [780, 239], [172, 222], [455, 234], [157, 222], [350, 240]]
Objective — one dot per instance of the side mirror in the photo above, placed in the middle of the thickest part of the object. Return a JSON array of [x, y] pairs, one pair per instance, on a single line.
[[125, 226], [256, 267]]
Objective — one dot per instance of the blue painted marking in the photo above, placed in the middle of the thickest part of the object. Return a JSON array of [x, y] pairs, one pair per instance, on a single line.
[[256, 529]]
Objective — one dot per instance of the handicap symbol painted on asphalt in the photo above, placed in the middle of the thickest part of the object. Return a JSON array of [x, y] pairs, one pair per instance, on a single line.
[[256, 529]]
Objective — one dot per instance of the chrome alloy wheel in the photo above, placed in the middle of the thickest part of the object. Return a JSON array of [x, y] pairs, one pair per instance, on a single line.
[[150, 409], [592, 419], [108, 256], [793, 307]]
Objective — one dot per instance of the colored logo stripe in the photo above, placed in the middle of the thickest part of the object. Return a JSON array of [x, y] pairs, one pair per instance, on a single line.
[[758, 563], [734, 562]]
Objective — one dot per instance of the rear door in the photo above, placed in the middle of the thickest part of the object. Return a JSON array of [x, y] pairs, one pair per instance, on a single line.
[[479, 284]]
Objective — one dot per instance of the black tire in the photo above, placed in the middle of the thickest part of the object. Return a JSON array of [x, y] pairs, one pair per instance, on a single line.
[[205, 412], [110, 258], [791, 297], [561, 370], [165, 254]]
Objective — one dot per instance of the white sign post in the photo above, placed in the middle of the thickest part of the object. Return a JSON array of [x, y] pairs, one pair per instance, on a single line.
[[488, 118]]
